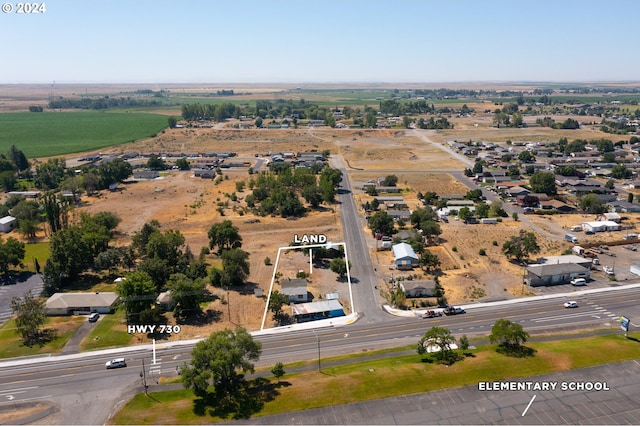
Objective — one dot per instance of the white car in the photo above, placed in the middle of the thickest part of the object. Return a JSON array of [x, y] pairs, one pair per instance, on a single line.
[[571, 304], [577, 282], [608, 270], [115, 363]]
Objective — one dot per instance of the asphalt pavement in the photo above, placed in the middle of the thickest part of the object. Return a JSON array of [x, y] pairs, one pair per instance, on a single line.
[[17, 286]]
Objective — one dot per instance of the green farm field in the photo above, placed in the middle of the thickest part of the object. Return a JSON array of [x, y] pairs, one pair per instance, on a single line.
[[49, 134]]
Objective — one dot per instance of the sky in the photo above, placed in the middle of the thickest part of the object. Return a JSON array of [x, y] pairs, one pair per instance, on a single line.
[[346, 41]]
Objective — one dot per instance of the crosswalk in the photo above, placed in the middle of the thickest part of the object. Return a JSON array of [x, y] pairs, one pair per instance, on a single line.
[[155, 370]]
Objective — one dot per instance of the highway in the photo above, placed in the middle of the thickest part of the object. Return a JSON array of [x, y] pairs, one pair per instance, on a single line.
[[78, 384]]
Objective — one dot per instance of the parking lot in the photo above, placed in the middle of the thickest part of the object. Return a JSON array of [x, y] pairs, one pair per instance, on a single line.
[[619, 258]]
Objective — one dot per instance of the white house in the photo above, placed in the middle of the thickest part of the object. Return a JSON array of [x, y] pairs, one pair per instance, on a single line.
[[75, 303], [8, 223], [601, 226]]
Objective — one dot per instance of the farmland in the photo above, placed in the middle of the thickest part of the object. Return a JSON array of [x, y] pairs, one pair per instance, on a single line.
[[56, 133]]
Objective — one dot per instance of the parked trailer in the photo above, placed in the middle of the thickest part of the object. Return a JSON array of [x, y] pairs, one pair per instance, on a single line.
[[635, 269]]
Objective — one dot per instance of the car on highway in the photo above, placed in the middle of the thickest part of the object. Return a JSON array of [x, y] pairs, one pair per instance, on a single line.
[[571, 304], [578, 282], [94, 317], [115, 363]]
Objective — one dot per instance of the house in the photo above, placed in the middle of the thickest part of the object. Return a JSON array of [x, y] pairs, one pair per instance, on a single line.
[[418, 288], [404, 256], [145, 174], [557, 205], [407, 235], [601, 226], [518, 191], [313, 311], [165, 301], [296, 289], [613, 217], [79, 303], [8, 223], [400, 214], [624, 207], [554, 274]]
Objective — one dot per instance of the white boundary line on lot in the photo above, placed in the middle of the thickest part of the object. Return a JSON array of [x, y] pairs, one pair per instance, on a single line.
[[308, 246]]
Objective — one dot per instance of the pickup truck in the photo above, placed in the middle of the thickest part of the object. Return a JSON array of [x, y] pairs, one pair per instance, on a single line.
[[431, 314], [453, 310]]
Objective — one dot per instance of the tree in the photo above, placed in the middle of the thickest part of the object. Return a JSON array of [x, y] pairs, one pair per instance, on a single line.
[[474, 195], [217, 361], [18, 158], [482, 210], [339, 266], [590, 203], [429, 261], [381, 223], [70, 251], [620, 171], [439, 337], [258, 122], [507, 333], [109, 259], [187, 294], [156, 163], [172, 122], [224, 235], [30, 316], [465, 214], [278, 370], [390, 180], [235, 269], [50, 174], [406, 122], [183, 164], [521, 246], [138, 293], [276, 302], [542, 182]]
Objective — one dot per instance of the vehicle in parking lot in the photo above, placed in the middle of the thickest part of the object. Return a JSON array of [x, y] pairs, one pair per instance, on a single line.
[[589, 232], [571, 304], [115, 363], [577, 282], [94, 317], [608, 270]]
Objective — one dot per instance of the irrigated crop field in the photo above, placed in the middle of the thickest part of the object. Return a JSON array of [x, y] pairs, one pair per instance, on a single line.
[[49, 134]]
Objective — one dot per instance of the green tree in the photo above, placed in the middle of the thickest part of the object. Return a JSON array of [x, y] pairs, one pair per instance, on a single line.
[[474, 195], [183, 164], [138, 293], [156, 163], [70, 251], [482, 210], [276, 302], [11, 253], [590, 203], [172, 122], [520, 246], [429, 261], [235, 269], [465, 214], [406, 122], [620, 171], [442, 339], [50, 173], [187, 295], [542, 182], [224, 235], [278, 370], [18, 158], [218, 361], [390, 180], [339, 266], [109, 259], [508, 334], [30, 316], [381, 223]]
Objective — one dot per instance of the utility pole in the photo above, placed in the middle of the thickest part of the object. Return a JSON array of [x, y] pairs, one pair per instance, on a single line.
[[143, 374], [318, 340]]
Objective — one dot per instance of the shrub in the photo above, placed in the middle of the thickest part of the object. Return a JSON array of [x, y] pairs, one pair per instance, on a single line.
[[482, 252], [454, 248]]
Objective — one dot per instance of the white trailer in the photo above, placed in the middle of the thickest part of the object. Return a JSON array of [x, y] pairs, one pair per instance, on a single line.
[[635, 269]]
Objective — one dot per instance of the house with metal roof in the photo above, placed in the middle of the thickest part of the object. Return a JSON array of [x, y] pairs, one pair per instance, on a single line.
[[313, 311], [404, 256], [418, 288]]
